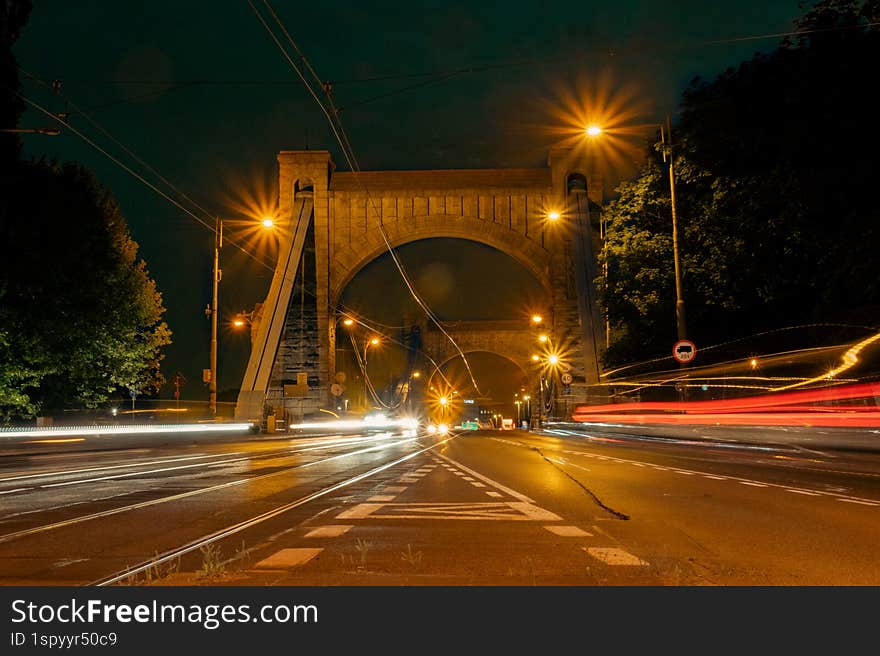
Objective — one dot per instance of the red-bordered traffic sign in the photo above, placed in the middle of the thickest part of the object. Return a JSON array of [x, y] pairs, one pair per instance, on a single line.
[[684, 351]]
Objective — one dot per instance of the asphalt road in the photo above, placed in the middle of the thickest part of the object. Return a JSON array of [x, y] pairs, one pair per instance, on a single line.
[[589, 507]]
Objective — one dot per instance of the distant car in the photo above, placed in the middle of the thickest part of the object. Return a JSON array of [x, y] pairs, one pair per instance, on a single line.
[[506, 424]]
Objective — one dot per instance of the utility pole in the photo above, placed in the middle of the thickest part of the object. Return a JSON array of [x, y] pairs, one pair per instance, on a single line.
[[179, 381], [680, 324], [212, 384]]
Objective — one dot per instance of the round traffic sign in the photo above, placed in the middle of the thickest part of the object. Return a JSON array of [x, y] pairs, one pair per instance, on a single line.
[[566, 378], [684, 351], [336, 389]]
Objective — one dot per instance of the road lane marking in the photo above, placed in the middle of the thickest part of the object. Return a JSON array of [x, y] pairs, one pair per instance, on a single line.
[[183, 495], [497, 495], [491, 511], [475, 484], [615, 556], [157, 461], [18, 489], [307, 445], [233, 529], [859, 501], [287, 558], [569, 531], [277, 455], [360, 511], [407, 479], [486, 479], [329, 531], [823, 494], [382, 498], [394, 488], [534, 512]]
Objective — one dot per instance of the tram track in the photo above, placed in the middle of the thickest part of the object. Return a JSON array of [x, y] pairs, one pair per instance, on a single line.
[[8, 537]]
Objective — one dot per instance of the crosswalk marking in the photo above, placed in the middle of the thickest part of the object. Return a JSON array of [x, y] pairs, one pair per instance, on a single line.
[[329, 531], [492, 511], [287, 558], [615, 556], [569, 531]]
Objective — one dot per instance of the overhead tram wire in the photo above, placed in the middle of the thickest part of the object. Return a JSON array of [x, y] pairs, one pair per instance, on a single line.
[[135, 174], [121, 145], [352, 160], [407, 347], [153, 187], [348, 152], [445, 74], [94, 145], [167, 182]]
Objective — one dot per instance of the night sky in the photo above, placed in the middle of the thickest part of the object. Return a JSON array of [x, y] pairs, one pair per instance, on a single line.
[[200, 92]]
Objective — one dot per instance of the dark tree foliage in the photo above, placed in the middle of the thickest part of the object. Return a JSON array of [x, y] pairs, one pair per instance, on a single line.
[[13, 17], [776, 175], [80, 317]]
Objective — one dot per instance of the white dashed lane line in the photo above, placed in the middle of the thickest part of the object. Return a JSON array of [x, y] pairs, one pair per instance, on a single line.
[[735, 479]]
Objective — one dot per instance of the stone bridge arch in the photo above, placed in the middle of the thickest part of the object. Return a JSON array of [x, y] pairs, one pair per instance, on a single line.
[[510, 339], [507, 209], [349, 260]]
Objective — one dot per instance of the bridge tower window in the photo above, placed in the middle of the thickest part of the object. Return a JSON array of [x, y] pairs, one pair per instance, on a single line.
[[304, 185], [576, 184]]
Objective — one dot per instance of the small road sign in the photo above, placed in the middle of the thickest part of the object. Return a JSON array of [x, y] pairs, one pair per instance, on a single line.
[[684, 351], [566, 378], [336, 389]]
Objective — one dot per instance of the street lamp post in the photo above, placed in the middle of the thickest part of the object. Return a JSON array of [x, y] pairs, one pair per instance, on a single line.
[[680, 324], [211, 310], [367, 343], [212, 385]]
